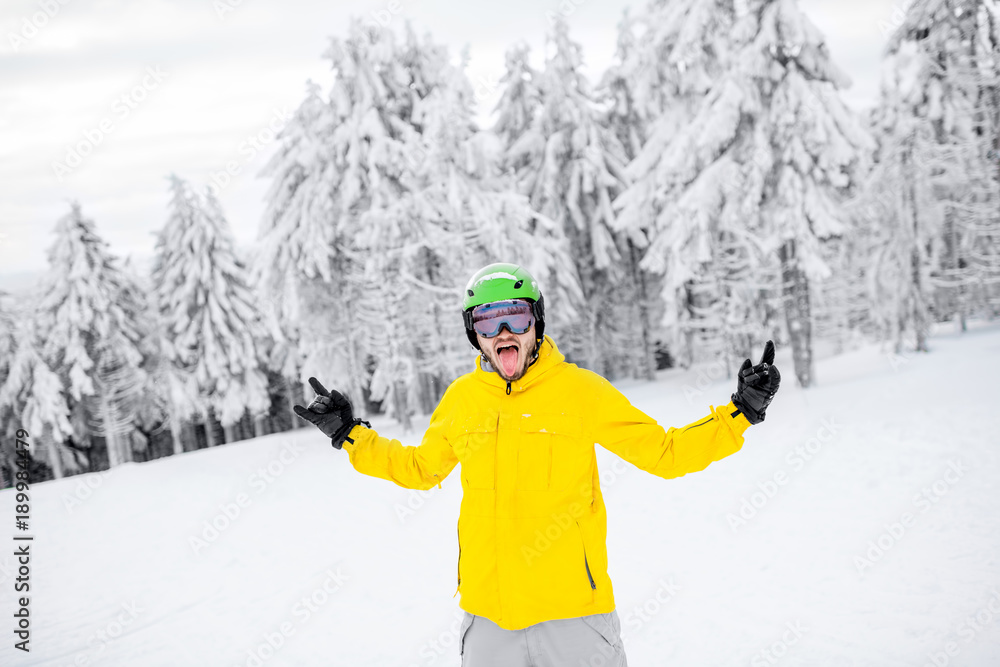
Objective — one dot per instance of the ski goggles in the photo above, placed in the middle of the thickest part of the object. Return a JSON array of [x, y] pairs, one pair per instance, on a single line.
[[488, 319]]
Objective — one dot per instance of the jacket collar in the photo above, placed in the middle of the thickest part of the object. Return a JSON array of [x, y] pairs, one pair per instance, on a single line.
[[549, 357]]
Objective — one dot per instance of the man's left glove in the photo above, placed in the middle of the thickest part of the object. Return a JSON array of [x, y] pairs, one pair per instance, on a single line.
[[757, 385], [331, 413]]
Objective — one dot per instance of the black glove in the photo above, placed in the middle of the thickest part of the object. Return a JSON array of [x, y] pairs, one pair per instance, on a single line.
[[331, 413], [757, 385]]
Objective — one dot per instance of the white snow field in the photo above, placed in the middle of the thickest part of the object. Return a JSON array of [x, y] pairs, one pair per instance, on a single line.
[[879, 543]]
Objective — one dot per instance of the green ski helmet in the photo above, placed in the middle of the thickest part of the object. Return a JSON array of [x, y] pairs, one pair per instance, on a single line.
[[502, 282]]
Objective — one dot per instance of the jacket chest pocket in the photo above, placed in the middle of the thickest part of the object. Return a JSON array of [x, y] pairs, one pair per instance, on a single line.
[[551, 452], [476, 446]]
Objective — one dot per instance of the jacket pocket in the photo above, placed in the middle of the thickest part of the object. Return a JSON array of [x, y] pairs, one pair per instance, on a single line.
[[551, 452], [463, 631], [475, 446], [609, 628], [586, 562]]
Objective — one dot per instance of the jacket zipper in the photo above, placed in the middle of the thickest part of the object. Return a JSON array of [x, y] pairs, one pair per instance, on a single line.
[[586, 564], [459, 565], [701, 424]]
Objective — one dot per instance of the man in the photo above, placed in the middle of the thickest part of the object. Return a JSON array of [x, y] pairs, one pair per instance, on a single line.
[[532, 562]]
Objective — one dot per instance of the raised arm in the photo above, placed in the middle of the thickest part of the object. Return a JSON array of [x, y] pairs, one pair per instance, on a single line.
[[410, 467], [672, 452], [636, 437]]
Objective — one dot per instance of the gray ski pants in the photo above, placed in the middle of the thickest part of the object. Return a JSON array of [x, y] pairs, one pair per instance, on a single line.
[[587, 641]]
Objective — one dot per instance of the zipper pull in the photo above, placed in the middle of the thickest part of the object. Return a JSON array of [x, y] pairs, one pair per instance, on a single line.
[[508, 388]]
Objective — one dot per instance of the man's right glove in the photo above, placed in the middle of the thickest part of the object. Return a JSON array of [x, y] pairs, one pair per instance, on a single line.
[[757, 385], [331, 413]]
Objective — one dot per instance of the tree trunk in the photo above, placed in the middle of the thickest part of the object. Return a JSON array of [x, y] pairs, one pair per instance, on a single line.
[[919, 310], [229, 432], [402, 410], [291, 396], [55, 457], [110, 437], [797, 313], [175, 433], [209, 433], [647, 362], [259, 429]]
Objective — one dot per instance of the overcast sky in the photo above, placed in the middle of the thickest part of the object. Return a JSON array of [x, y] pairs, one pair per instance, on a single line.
[[186, 86]]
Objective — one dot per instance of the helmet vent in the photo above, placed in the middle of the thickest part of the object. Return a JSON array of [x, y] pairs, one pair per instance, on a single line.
[[518, 284], [470, 293]]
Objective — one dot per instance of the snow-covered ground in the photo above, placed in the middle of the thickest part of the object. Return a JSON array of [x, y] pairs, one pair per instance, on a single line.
[[860, 525]]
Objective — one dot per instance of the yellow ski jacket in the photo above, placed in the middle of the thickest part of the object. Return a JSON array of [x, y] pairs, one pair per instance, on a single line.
[[532, 529]]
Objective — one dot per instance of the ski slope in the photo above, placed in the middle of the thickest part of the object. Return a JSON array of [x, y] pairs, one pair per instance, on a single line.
[[859, 526]]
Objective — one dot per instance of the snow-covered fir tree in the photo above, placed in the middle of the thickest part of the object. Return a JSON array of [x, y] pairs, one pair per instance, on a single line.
[[519, 101], [762, 165], [935, 185], [32, 397], [213, 327], [91, 313], [679, 50], [571, 165], [407, 200], [295, 239], [636, 297]]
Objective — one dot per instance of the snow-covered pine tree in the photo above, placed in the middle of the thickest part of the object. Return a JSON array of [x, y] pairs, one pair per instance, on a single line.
[[765, 159], [453, 216], [414, 202], [336, 158], [938, 123], [519, 102], [295, 243], [92, 314], [681, 48], [571, 167], [32, 397], [212, 322], [635, 295]]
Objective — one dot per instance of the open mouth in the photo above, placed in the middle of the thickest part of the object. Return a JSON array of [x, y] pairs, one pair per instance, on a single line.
[[507, 355]]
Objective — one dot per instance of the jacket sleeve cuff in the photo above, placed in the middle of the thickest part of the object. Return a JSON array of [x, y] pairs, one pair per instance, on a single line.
[[356, 438], [738, 421]]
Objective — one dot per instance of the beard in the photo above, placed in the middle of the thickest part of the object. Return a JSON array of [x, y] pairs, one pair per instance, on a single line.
[[525, 359]]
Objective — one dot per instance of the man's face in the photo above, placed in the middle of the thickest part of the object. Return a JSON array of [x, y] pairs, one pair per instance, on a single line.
[[509, 353]]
